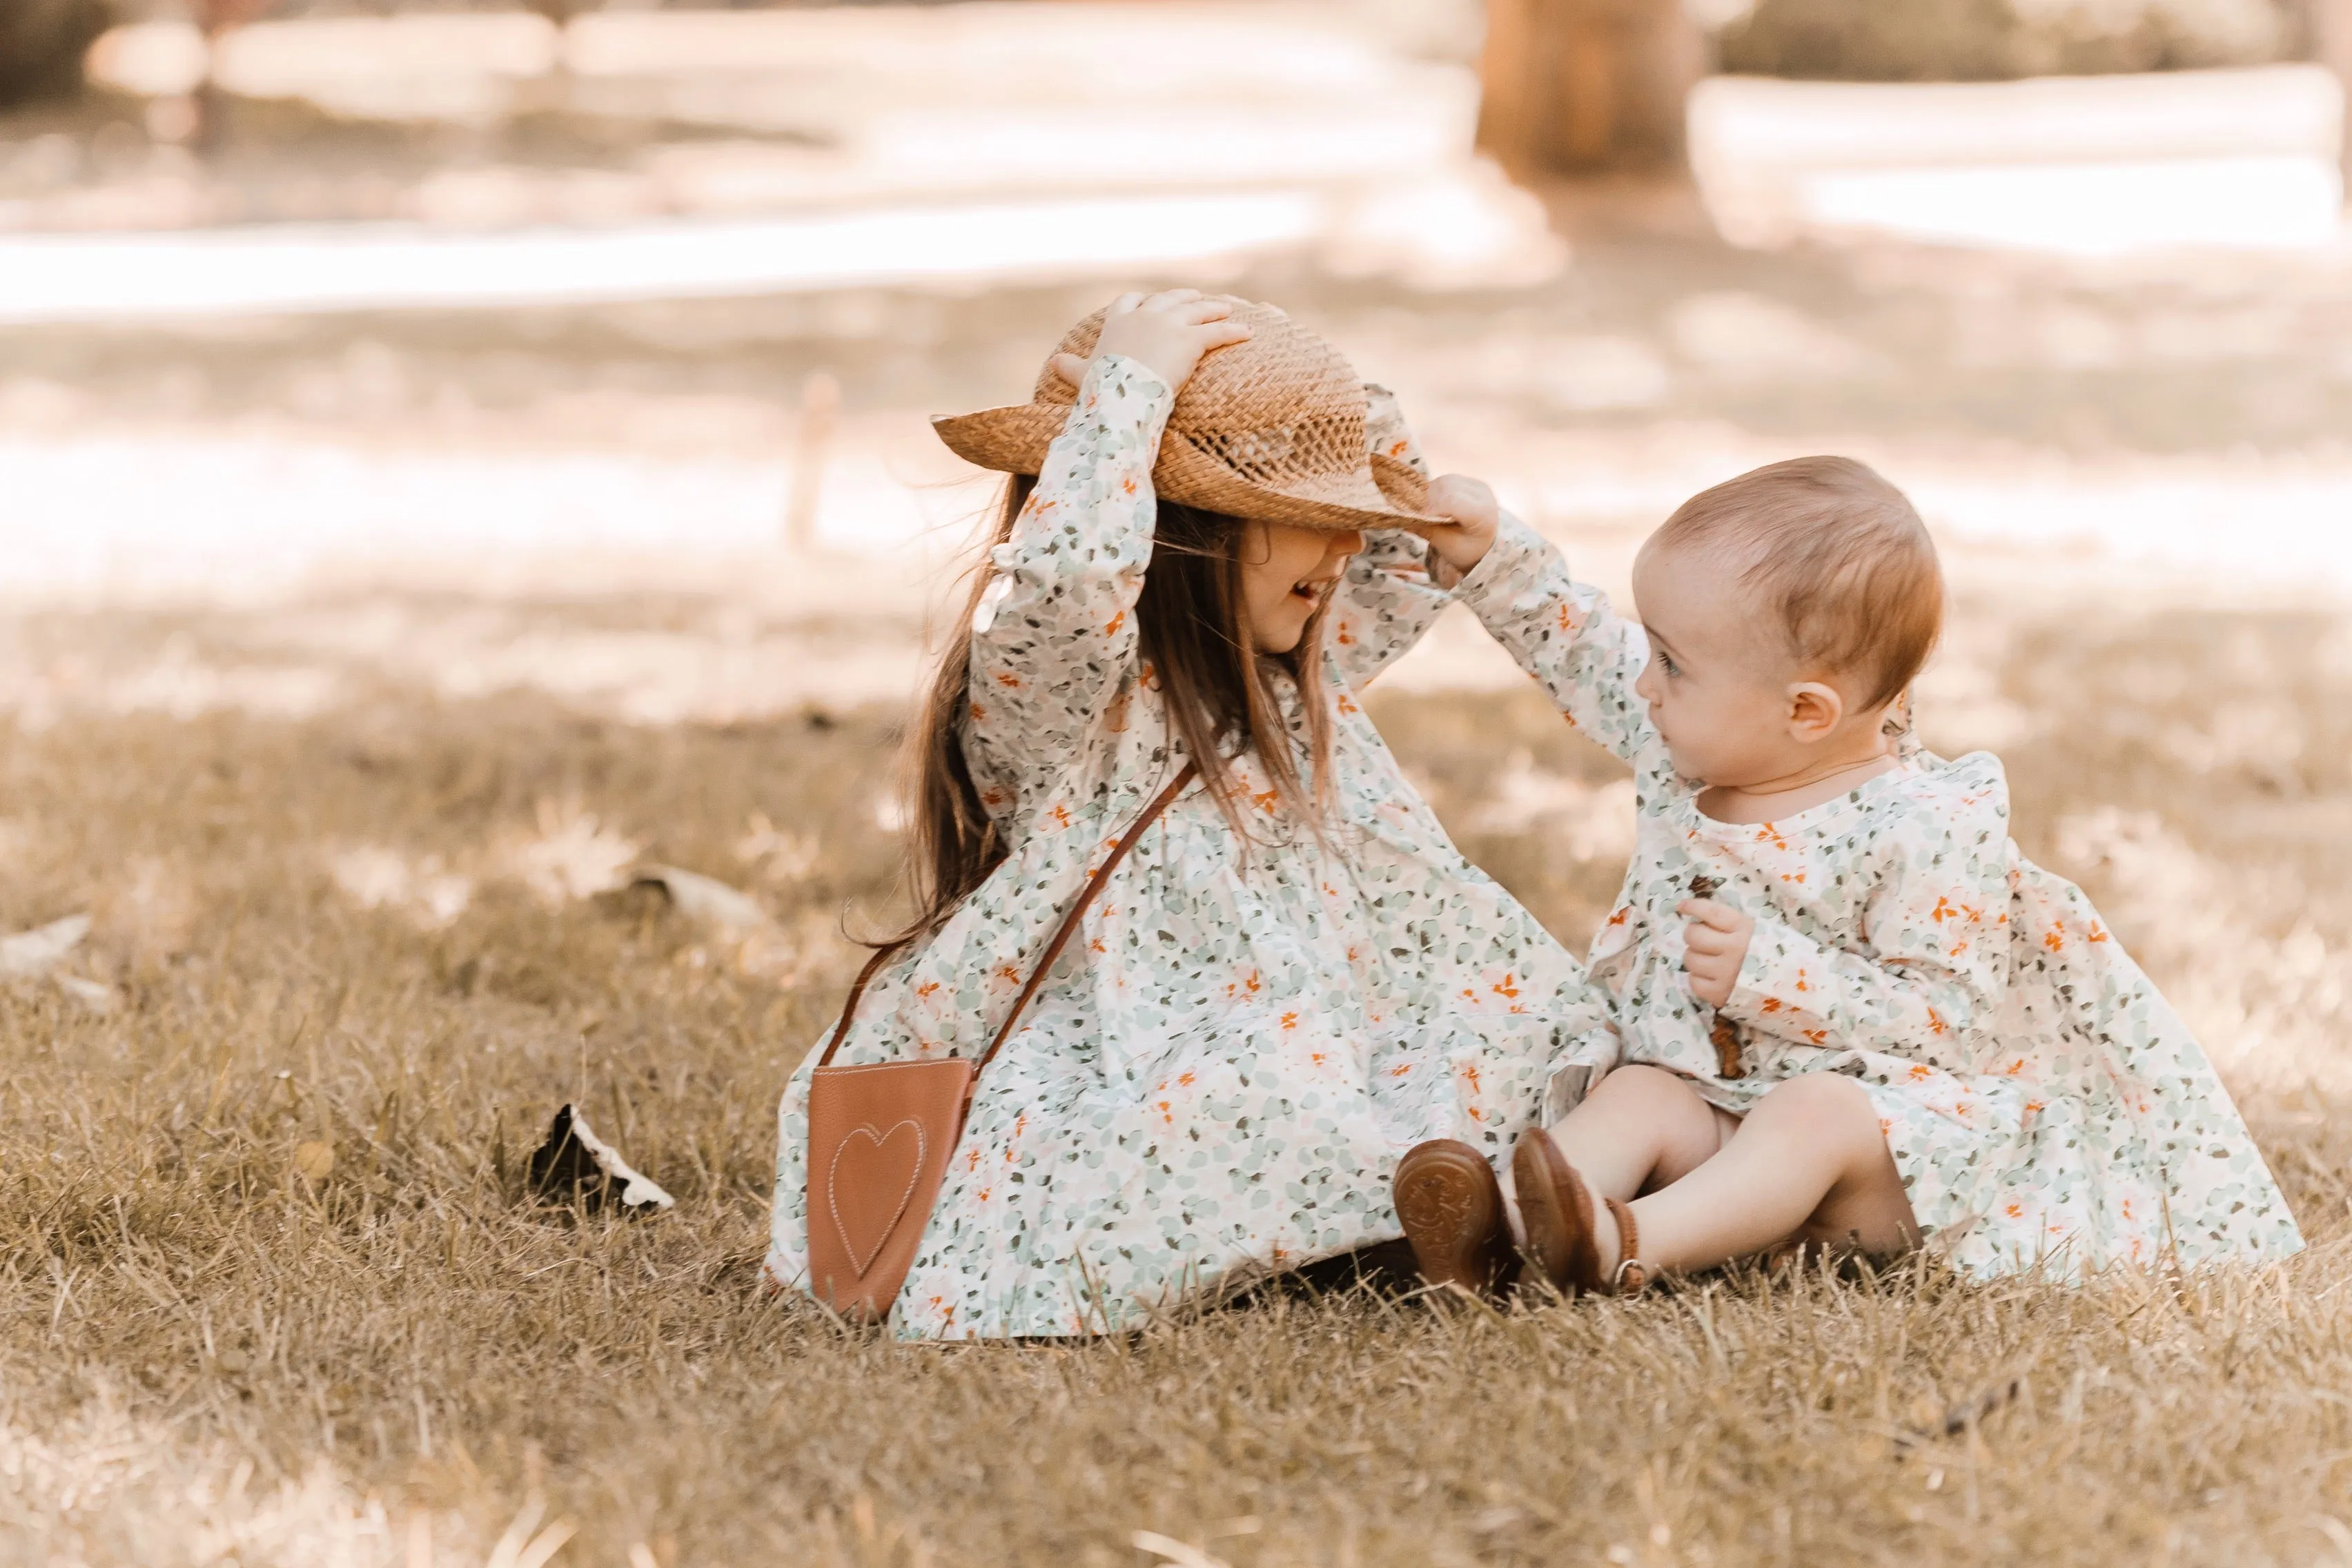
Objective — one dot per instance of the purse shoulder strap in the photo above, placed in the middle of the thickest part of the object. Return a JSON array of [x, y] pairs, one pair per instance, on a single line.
[[1054, 946]]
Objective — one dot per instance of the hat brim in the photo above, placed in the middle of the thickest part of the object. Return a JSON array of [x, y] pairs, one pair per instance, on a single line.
[[1013, 440]]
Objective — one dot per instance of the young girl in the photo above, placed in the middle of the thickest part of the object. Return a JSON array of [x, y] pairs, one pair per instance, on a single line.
[[1851, 1012], [1294, 977]]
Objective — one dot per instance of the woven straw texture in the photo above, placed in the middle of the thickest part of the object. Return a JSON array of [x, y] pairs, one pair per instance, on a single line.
[[1271, 429]]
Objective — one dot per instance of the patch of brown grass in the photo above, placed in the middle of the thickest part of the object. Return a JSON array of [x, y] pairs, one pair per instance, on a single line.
[[205, 1356]]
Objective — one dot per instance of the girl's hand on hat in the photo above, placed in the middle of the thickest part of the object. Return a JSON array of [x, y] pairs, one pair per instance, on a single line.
[[1458, 546], [1167, 333]]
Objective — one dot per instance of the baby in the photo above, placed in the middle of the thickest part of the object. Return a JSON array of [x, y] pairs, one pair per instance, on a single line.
[[1849, 1012]]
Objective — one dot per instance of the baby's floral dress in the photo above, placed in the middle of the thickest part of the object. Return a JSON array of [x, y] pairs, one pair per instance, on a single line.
[[1216, 1081], [2043, 1105]]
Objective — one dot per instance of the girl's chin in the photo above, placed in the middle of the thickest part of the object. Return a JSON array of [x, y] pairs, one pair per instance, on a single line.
[[1287, 626]]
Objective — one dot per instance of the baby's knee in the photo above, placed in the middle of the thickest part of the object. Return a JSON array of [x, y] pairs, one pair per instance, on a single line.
[[1820, 1105], [1637, 1084]]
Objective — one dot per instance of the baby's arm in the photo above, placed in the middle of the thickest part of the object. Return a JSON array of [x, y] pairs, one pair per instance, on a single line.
[[1939, 938], [1388, 601], [1561, 631]]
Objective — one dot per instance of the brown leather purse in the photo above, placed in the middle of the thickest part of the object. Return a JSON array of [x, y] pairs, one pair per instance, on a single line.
[[880, 1134]]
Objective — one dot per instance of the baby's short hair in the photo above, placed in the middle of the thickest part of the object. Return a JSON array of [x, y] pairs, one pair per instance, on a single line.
[[1836, 554]]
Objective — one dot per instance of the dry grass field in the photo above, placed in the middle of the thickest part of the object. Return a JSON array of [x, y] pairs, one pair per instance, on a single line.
[[273, 1292]]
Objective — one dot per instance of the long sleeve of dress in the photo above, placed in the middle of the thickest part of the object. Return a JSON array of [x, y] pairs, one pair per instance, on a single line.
[[1054, 632], [1938, 943], [1563, 633], [1385, 604]]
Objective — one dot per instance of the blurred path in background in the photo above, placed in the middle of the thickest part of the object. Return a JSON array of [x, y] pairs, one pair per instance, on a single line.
[[442, 322]]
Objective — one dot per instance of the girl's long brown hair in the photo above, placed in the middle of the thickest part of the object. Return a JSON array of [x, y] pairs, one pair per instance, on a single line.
[[1220, 692]]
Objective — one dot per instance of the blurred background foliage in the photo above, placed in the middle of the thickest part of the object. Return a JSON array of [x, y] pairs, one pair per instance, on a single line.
[[42, 41], [1991, 40]]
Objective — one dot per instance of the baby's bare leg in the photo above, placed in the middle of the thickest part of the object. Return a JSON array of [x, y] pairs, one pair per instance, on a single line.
[[1809, 1160], [1640, 1128]]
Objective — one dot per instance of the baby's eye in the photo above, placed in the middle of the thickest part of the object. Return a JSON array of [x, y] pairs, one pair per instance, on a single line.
[[1667, 662]]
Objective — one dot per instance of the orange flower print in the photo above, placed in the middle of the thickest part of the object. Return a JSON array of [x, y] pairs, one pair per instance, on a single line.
[[1061, 815], [1936, 1024], [1009, 680], [926, 988], [1345, 704], [1817, 1037], [2098, 933], [1920, 1070], [2056, 939], [1117, 621], [1345, 634], [1506, 986], [1289, 1021]]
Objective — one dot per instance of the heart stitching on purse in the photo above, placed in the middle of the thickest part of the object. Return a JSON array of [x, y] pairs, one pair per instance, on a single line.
[[872, 1170]]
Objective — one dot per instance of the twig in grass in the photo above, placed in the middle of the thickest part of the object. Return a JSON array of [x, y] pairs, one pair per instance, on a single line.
[[1180, 1553], [1961, 1416]]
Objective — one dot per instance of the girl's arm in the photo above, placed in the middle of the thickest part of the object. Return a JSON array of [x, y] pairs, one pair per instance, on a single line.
[[1563, 633], [1053, 633], [1938, 935]]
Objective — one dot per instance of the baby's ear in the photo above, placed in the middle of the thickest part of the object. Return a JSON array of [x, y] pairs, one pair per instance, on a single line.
[[1814, 710]]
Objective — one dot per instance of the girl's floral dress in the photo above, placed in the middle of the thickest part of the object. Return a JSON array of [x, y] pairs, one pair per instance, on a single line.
[[1218, 1078], [2043, 1103]]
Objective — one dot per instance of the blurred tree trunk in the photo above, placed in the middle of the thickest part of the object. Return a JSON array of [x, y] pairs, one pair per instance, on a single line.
[[41, 47], [2335, 29], [1586, 85], [217, 19]]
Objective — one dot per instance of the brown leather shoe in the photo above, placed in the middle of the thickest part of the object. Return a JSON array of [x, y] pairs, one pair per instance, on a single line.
[[1451, 1208], [1556, 1213]]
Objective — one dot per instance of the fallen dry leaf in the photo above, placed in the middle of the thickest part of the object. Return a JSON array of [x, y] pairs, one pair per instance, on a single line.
[[314, 1161], [35, 951]]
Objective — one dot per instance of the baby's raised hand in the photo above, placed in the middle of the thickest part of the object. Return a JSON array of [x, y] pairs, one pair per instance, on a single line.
[[1461, 544], [1166, 334], [1715, 944]]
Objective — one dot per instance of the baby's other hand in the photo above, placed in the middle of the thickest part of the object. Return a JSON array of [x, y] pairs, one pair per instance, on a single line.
[[1459, 546], [1715, 944]]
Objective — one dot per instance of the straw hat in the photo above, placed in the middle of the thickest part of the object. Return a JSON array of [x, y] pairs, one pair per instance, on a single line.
[[1271, 429]]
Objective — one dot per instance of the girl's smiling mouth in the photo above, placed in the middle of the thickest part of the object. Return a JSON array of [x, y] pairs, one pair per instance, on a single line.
[[1313, 589]]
